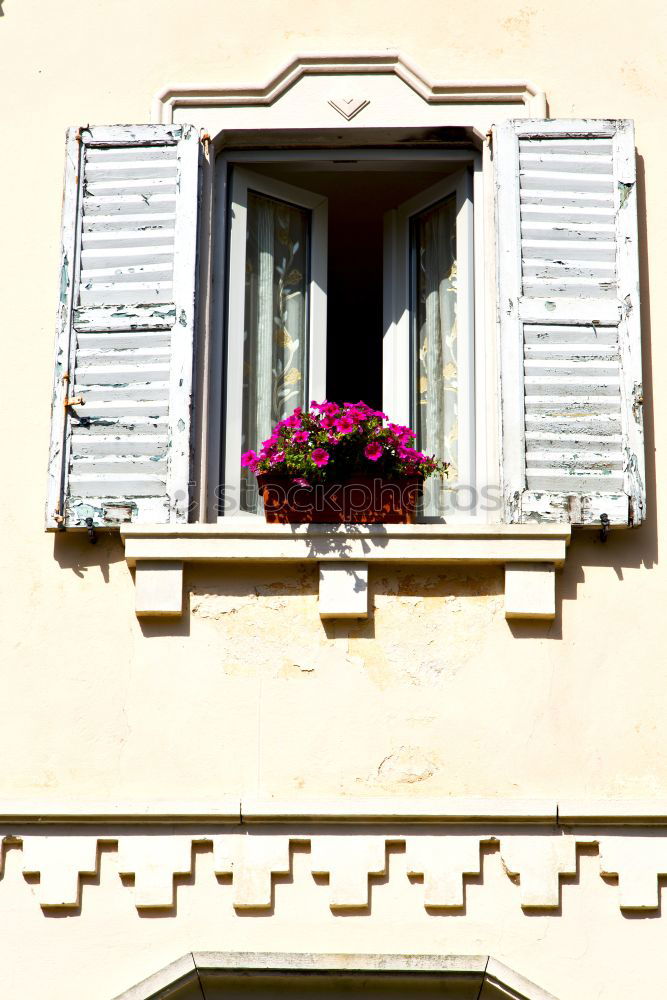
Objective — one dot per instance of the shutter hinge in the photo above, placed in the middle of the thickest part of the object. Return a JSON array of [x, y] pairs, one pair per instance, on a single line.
[[74, 401], [205, 139], [489, 137], [81, 128], [604, 530]]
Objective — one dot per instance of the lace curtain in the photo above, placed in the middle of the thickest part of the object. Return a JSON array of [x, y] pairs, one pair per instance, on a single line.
[[436, 368], [276, 323]]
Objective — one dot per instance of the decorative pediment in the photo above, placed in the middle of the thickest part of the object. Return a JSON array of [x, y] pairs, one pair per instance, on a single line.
[[320, 90], [199, 975]]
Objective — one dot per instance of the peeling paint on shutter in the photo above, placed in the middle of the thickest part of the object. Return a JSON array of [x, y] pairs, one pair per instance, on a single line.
[[125, 327], [568, 303]]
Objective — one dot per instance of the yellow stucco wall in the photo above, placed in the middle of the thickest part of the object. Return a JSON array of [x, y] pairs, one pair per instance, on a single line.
[[435, 695]]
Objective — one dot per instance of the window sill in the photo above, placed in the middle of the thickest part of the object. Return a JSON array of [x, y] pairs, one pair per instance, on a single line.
[[529, 553]]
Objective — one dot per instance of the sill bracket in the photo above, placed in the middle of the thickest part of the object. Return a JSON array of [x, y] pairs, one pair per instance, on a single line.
[[530, 554]]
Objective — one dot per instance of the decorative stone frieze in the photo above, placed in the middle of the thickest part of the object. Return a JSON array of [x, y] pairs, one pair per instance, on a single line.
[[345, 856], [252, 860]]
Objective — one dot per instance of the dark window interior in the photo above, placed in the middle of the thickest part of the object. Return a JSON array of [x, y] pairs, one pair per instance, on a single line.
[[359, 194]]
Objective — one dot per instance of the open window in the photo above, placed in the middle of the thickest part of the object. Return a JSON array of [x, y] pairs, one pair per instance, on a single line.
[[349, 277]]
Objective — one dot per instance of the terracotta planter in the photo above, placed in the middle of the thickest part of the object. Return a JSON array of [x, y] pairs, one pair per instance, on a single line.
[[361, 500]]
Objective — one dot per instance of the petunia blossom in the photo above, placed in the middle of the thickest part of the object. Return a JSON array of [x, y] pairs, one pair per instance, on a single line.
[[408, 454], [338, 436], [373, 451], [404, 434], [249, 460], [344, 424]]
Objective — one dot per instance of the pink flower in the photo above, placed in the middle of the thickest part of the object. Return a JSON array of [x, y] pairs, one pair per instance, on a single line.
[[320, 457], [330, 409], [373, 451], [293, 421], [249, 460], [328, 422], [301, 437], [300, 481], [404, 434], [344, 424], [278, 458]]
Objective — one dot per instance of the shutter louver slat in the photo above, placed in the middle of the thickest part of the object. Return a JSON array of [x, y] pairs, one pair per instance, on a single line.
[[569, 308], [126, 322]]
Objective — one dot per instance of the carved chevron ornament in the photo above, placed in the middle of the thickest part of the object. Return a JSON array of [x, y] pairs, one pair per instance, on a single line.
[[348, 107]]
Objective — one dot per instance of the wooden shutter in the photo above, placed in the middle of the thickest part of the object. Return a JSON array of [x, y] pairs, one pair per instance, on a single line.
[[120, 450], [568, 301]]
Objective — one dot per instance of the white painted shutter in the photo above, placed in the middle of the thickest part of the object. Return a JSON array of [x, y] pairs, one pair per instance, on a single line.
[[125, 327], [568, 301]]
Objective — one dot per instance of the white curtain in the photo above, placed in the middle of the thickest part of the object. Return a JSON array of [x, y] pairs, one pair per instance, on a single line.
[[264, 328], [276, 334], [436, 369]]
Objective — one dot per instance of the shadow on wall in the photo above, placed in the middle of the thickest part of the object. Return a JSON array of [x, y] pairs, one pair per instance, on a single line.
[[72, 550], [646, 543], [623, 549]]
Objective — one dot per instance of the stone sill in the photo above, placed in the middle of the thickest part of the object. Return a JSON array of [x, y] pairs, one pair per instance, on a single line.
[[529, 553]]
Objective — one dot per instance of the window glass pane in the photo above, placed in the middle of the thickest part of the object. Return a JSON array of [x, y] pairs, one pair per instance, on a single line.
[[434, 338], [275, 353]]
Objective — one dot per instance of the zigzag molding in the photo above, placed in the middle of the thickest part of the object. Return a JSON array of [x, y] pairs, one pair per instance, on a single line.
[[348, 857]]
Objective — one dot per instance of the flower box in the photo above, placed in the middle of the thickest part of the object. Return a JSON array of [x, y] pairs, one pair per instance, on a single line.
[[339, 464], [359, 500]]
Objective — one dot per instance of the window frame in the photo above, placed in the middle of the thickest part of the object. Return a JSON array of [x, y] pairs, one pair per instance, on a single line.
[[242, 182], [483, 463], [399, 312]]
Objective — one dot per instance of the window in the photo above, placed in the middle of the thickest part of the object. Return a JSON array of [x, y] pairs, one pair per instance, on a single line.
[[351, 277], [371, 292]]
